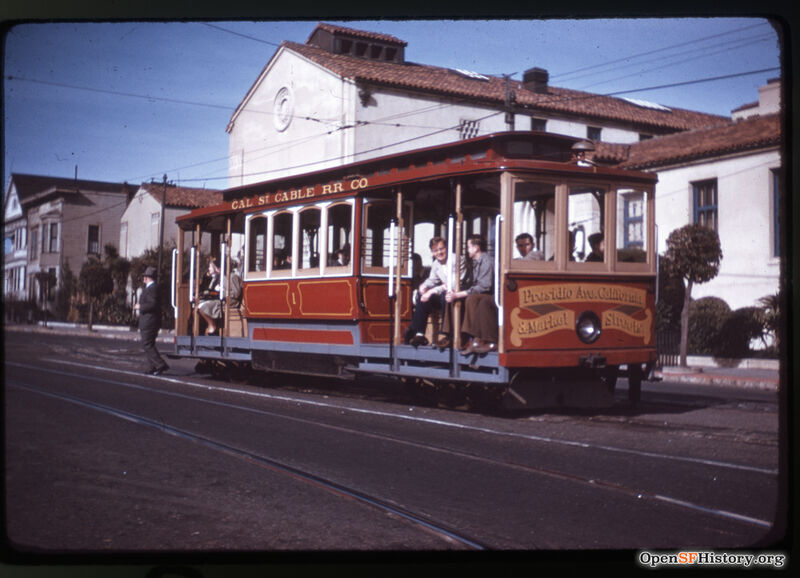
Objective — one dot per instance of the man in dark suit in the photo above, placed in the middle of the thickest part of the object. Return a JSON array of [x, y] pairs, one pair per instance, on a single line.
[[149, 307]]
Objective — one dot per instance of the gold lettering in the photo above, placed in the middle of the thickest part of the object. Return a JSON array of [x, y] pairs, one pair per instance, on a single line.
[[638, 328], [525, 328], [534, 295]]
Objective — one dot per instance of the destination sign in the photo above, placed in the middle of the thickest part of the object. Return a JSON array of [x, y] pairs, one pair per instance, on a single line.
[[299, 194]]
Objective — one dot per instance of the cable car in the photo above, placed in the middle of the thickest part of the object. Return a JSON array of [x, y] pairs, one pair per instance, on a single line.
[[330, 262]]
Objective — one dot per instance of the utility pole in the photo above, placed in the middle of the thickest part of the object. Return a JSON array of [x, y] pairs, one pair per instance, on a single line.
[[161, 225], [509, 100]]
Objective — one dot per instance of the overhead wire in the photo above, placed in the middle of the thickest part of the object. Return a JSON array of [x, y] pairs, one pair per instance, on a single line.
[[561, 76], [385, 121]]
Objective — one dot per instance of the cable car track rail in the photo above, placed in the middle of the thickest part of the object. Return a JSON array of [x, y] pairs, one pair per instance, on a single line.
[[443, 532], [384, 504]]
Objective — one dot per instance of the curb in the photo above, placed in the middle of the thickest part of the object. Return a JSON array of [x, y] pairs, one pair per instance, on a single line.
[[743, 381]]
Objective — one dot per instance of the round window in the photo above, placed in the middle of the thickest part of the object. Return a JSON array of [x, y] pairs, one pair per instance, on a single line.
[[283, 109]]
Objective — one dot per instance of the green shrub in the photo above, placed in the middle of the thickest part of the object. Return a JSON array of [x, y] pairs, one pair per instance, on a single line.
[[739, 329], [707, 316]]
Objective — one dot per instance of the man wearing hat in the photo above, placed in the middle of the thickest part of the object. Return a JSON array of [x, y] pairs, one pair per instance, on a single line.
[[149, 308], [598, 245]]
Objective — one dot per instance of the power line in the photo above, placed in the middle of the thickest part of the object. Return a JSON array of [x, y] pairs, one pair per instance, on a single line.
[[240, 34], [705, 54], [379, 121], [657, 50]]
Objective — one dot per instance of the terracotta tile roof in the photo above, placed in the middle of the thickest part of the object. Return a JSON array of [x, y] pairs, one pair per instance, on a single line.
[[30, 186], [748, 134], [188, 197], [343, 30], [492, 90]]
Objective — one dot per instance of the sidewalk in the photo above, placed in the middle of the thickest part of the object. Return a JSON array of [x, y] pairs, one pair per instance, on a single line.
[[104, 331], [753, 374], [766, 379]]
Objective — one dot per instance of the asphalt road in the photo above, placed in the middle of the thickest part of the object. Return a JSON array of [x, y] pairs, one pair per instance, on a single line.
[[104, 460]]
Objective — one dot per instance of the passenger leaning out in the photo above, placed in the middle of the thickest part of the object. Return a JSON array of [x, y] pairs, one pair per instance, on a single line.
[[430, 294], [477, 292]]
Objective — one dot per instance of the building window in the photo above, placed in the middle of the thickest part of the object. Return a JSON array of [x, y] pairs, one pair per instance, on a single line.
[[705, 203], [633, 224], [34, 244], [539, 124], [593, 132], [93, 244], [53, 238], [468, 128], [155, 220]]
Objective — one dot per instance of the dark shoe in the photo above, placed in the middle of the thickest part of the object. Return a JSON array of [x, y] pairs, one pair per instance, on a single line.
[[159, 371], [418, 339], [470, 347], [485, 346], [443, 342], [149, 372]]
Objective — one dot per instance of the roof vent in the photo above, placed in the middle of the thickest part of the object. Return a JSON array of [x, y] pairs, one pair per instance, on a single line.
[[535, 79]]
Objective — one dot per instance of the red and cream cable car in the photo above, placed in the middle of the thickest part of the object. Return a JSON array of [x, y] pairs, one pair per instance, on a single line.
[[330, 259]]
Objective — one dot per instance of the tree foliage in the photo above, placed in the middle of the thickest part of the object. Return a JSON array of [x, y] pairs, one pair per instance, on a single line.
[[707, 316], [693, 254]]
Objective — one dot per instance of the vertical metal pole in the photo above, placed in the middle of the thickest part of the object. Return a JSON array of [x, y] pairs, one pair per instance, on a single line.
[[161, 225], [196, 293], [398, 277], [455, 341], [392, 296]]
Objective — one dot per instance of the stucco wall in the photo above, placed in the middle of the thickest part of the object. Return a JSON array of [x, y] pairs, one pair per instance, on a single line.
[[320, 105], [748, 270]]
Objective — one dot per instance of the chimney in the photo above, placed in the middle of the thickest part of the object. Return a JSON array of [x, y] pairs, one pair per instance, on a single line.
[[535, 79]]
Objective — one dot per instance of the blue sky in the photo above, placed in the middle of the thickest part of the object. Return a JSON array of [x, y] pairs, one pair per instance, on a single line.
[[132, 101]]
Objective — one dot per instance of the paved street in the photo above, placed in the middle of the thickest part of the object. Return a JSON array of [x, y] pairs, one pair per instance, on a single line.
[[101, 458]]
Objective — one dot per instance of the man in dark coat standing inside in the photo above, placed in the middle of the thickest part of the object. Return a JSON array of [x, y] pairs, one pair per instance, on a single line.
[[149, 307]]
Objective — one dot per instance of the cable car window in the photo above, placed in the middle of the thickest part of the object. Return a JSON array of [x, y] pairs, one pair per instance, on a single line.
[[585, 215], [534, 222], [256, 244], [308, 240], [282, 244], [339, 239], [631, 226], [376, 245]]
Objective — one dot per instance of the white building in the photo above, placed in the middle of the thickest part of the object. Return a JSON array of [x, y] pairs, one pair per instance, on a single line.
[[729, 178], [140, 225], [347, 95]]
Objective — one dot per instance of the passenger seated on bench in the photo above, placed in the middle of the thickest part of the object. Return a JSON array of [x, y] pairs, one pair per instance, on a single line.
[[430, 294], [525, 247], [210, 307], [235, 289], [480, 312]]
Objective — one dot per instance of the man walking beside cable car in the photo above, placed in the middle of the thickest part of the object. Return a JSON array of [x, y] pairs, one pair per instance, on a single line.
[[149, 308]]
